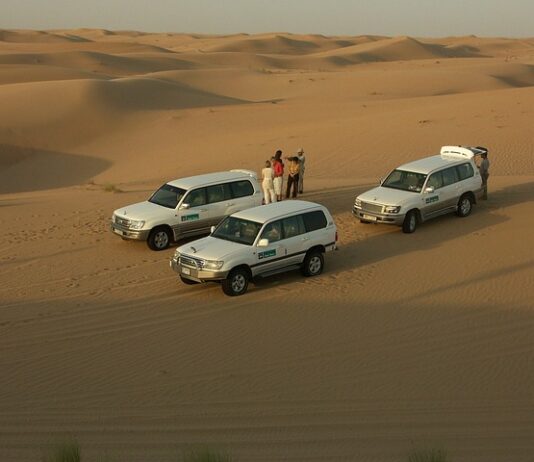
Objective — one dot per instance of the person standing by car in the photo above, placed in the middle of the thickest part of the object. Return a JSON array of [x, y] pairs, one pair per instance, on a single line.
[[267, 183], [278, 168], [302, 166], [484, 173], [293, 177]]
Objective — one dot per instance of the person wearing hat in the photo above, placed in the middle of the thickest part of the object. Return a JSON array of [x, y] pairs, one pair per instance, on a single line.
[[302, 162]]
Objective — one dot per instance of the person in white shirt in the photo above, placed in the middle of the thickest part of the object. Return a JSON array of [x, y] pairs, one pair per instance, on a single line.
[[267, 184]]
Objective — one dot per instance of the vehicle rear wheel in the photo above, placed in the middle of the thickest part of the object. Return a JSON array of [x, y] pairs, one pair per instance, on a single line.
[[159, 238], [465, 205], [313, 263], [236, 283], [189, 282], [410, 222]]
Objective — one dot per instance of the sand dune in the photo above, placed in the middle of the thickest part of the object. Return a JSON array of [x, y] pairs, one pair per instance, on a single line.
[[404, 341]]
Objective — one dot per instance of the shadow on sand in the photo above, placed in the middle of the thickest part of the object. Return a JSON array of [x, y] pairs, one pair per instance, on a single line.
[[28, 169], [391, 242]]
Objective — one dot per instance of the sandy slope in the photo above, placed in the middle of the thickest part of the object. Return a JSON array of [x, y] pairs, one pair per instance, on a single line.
[[405, 341]]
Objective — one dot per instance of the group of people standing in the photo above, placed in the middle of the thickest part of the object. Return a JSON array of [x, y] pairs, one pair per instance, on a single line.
[[273, 176]]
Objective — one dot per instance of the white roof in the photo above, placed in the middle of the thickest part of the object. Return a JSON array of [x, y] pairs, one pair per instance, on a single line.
[[264, 213], [449, 155], [210, 178]]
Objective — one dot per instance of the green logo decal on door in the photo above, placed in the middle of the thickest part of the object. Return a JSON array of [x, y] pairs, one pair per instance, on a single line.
[[266, 254], [193, 217]]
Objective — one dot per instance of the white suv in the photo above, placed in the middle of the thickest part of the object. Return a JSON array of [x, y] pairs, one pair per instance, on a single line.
[[187, 207], [261, 241], [421, 190]]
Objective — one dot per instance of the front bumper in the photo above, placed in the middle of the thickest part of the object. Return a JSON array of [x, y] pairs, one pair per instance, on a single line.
[[126, 233], [196, 274], [373, 217]]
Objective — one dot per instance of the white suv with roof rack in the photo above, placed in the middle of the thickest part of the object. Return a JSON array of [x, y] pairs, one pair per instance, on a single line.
[[424, 189], [187, 207], [261, 241]]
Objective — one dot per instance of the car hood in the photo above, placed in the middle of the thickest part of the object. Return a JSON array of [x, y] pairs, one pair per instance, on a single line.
[[142, 211], [387, 196], [210, 248]]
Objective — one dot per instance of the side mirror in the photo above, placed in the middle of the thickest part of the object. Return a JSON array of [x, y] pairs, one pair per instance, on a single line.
[[263, 243], [429, 189], [184, 206], [212, 229]]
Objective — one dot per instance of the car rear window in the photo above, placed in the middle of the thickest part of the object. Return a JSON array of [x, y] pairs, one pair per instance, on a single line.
[[465, 171], [242, 188], [314, 220]]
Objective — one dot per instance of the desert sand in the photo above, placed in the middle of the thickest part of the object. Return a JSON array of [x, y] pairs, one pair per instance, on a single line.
[[405, 341]]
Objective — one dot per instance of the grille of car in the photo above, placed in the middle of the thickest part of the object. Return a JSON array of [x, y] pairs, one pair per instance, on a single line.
[[122, 221], [190, 261], [375, 208]]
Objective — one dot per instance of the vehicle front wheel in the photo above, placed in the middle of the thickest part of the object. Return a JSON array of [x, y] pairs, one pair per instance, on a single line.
[[159, 239], [189, 282], [410, 222], [236, 283], [313, 264], [465, 205]]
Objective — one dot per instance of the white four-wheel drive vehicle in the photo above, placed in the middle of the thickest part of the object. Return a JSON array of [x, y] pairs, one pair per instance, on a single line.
[[187, 207], [421, 190], [259, 242]]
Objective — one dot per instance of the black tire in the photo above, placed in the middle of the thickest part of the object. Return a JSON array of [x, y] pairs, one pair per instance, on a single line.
[[236, 283], [313, 264], [410, 222], [365, 222], [465, 206], [189, 282], [159, 238]]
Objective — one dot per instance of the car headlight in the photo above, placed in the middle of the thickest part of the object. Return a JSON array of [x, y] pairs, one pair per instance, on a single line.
[[212, 264], [137, 224], [358, 202], [392, 208]]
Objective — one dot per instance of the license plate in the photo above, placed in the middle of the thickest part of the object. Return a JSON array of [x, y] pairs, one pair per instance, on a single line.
[[369, 217], [186, 270], [119, 232]]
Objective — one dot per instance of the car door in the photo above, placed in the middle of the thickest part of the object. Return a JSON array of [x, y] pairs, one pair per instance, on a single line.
[[451, 190], [194, 214], [295, 240], [433, 200], [219, 198], [242, 196], [272, 256]]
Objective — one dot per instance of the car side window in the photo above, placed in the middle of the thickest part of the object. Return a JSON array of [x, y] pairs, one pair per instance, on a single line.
[[465, 171], [435, 181], [450, 176], [272, 231], [242, 188], [314, 220], [293, 226], [196, 198], [218, 193]]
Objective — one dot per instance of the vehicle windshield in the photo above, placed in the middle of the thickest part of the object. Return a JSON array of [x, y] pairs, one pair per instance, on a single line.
[[167, 196], [237, 230], [404, 180]]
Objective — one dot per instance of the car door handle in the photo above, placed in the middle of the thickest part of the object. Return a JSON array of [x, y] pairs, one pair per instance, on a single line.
[[202, 210], [228, 204]]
